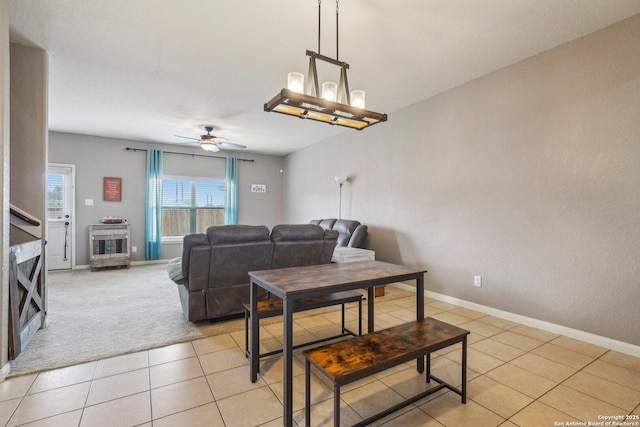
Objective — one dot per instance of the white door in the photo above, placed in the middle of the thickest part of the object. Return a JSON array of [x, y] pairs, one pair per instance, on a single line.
[[60, 210]]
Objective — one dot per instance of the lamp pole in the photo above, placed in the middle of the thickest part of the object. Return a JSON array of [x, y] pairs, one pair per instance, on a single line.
[[340, 180]]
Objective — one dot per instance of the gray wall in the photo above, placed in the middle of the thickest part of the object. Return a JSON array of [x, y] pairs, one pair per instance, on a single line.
[[529, 177], [97, 157]]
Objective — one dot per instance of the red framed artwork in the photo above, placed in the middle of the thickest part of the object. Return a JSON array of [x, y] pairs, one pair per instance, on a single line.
[[112, 189]]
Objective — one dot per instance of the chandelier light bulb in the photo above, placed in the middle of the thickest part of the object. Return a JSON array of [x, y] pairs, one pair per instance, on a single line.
[[357, 98], [295, 82], [329, 91]]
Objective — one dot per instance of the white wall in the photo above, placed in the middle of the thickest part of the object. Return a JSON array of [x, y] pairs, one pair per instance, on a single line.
[[529, 177], [97, 157]]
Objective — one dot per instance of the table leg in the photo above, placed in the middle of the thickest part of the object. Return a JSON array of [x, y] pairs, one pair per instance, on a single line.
[[370, 297], [287, 352], [420, 312], [254, 360]]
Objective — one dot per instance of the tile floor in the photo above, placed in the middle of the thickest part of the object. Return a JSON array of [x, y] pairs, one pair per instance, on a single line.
[[517, 376]]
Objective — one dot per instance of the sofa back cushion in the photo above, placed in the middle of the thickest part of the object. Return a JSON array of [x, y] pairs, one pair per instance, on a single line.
[[345, 228], [296, 245]]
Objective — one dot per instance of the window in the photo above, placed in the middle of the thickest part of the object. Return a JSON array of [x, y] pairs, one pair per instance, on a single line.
[[191, 205]]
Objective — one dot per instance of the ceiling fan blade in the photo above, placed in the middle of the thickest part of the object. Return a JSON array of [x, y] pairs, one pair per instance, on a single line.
[[231, 144], [187, 137]]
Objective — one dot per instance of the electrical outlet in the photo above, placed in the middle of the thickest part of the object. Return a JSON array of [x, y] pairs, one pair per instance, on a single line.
[[477, 281], [134, 249]]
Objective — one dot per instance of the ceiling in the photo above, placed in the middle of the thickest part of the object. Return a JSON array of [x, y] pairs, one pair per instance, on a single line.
[[148, 69]]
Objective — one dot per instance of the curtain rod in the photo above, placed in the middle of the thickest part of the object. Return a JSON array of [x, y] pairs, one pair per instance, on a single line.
[[187, 154]]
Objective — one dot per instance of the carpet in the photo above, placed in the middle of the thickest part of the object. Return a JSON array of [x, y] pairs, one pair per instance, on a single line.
[[95, 315]]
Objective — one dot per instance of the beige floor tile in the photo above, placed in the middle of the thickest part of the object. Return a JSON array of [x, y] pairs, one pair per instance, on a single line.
[[63, 420], [538, 414], [614, 373], [222, 360], [16, 386], [499, 322], [7, 407], [369, 400], [497, 397], [414, 418], [508, 424], [126, 411], [466, 312], [315, 322], [120, 364], [562, 355], [49, 380], [450, 371], [176, 371], [546, 368], [171, 353], [385, 321], [252, 408], [179, 397], [231, 382], [203, 416], [478, 361], [517, 340], [522, 380], [450, 318], [481, 328], [408, 382], [538, 334], [448, 410], [615, 394], [578, 405], [621, 359], [497, 349], [404, 314], [585, 348], [215, 343], [322, 415], [319, 390], [49, 403], [443, 305], [117, 386], [271, 369]]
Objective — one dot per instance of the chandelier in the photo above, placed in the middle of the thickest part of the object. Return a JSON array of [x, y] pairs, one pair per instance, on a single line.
[[308, 102]]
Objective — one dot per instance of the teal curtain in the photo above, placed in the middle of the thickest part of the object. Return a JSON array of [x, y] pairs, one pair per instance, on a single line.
[[231, 204], [153, 217]]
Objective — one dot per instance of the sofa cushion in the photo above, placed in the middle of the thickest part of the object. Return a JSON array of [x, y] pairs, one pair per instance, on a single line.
[[296, 232], [328, 224], [237, 233], [174, 268], [345, 227]]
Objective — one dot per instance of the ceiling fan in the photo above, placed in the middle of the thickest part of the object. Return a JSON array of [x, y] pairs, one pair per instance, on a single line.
[[213, 143]]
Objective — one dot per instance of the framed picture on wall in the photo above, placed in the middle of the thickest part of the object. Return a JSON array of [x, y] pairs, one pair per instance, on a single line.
[[112, 189]]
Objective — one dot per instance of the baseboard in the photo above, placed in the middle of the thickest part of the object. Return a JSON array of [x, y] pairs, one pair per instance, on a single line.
[[620, 346], [133, 263], [6, 369]]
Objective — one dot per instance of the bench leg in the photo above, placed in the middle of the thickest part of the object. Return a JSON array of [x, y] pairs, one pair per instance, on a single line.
[[336, 405], [360, 316], [343, 328], [428, 367], [464, 370], [246, 333], [307, 393]]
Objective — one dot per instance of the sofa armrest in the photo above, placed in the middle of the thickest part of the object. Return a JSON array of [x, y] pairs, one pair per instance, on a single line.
[[189, 242], [358, 237]]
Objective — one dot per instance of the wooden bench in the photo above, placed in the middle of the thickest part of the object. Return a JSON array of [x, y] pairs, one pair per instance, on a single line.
[[273, 307], [350, 360]]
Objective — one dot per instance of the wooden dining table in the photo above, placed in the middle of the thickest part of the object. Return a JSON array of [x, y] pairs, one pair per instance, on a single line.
[[295, 283]]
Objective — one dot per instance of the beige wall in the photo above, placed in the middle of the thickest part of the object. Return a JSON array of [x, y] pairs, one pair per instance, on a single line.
[[4, 183], [29, 129], [529, 177]]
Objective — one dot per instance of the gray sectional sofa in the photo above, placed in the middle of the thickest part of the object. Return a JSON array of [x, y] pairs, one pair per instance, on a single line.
[[215, 264], [350, 232]]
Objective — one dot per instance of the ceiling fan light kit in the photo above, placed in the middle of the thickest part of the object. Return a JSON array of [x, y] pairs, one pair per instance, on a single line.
[[326, 106], [212, 143]]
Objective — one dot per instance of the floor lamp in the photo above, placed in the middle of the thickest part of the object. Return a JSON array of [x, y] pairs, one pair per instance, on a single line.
[[340, 180]]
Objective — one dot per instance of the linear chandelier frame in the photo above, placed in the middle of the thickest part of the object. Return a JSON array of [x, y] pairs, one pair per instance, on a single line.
[[311, 105]]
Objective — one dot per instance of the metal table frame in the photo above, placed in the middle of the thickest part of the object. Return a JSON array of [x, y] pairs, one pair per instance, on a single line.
[[295, 283]]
